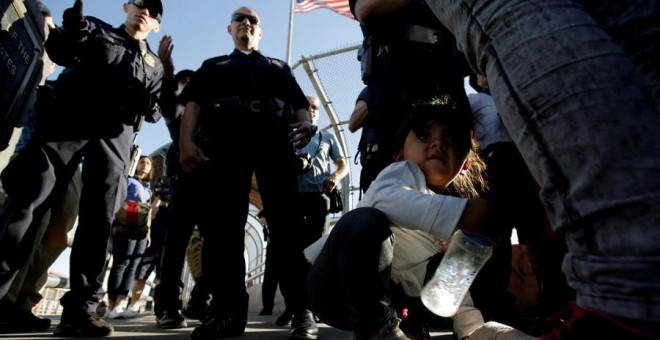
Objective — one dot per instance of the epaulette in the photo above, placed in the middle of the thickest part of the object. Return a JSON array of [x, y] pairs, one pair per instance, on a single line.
[[277, 62], [221, 60]]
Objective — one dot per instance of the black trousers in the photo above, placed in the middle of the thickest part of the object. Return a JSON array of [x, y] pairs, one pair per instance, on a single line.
[[42, 171], [227, 180], [179, 223], [315, 207]]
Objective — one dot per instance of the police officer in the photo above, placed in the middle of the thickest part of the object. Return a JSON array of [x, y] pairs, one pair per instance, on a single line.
[[406, 55], [256, 98], [109, 85]]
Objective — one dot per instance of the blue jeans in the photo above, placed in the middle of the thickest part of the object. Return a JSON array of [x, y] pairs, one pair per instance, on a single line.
[[580, 109], [127, 252]]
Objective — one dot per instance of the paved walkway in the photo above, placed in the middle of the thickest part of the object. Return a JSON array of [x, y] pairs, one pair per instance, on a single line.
[[259, 327]]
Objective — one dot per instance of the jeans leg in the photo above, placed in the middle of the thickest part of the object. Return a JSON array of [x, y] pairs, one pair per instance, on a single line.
[[578, 109]]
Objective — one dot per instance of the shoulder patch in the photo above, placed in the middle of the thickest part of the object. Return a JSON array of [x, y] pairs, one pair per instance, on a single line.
[[149, 60], [223, 62]]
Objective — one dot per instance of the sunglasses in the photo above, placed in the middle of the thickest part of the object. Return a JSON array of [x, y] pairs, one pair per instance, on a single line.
[[155, 7], [239, 17]]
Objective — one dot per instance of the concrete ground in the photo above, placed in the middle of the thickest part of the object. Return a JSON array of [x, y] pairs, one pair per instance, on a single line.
[[259, 327]]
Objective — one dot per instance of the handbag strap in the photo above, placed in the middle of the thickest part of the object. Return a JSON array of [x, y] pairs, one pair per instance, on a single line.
[[318, 148]]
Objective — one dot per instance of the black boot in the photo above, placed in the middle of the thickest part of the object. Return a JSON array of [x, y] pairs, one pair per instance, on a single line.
[[79, 319], [303, 326], [16, 320]]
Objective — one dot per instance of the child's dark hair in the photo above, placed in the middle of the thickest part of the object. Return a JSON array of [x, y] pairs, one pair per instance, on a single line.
[[444, 110], [186, 73]]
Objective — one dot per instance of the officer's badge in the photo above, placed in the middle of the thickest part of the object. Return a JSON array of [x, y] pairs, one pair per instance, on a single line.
[[224, 62], [149, 60], [277, 63]]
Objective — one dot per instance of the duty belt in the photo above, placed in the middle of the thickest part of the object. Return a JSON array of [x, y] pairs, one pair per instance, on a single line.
[[240, 102], [423, 34]]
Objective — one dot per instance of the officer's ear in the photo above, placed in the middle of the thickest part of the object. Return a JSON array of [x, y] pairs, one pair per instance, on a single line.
[[156, 27]]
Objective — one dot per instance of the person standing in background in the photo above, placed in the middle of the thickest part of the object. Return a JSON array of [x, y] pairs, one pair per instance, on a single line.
[[128, 246], [316, 180]]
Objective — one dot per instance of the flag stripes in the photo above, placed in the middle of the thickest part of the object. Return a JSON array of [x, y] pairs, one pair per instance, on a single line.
[[339, 6]]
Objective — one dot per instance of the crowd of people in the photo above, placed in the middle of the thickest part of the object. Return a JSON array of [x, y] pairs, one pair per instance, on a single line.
[[558, 142]]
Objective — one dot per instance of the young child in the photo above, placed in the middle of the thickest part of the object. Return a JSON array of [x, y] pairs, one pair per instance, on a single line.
[[402, 221]]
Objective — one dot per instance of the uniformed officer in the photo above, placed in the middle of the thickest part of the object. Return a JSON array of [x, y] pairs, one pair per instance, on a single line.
[[407, 55], [256, 98], [109, 85]]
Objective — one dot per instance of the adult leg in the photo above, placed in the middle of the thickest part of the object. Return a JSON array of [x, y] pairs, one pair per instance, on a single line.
[[317, 219], [29, 180], [269, 285], [63, 216], [572, 98], [179, 225], [104, 170]]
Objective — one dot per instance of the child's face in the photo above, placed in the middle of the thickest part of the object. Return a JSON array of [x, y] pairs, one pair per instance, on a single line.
[[434, 151]]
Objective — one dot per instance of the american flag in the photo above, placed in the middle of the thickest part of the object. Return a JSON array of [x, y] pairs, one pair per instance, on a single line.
[[339, 6]]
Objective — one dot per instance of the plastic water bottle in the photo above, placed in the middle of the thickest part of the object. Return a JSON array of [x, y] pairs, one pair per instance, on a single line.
[[465, 256]]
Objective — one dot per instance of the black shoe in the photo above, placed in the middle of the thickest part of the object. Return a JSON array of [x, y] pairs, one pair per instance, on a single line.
[[266, 311], [17, 320], [303, 326], [284, 319], [76, 322], [217, 328], [196, 311], [170, 319]]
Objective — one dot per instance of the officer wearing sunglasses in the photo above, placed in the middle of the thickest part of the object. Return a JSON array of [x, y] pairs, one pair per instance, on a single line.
[[258, 96], [111, 82]]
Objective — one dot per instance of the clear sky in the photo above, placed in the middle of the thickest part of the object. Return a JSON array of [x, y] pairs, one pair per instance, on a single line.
[[199, 31]]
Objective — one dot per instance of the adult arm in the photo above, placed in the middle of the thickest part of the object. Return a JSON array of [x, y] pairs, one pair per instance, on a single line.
[[369, 10], [360, 113], [191, 156]]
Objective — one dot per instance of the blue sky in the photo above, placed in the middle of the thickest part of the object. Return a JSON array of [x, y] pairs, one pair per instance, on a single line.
[[199, 31]]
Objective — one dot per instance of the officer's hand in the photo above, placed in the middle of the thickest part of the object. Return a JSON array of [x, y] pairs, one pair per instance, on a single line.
[[191, 157], [301, 134], [165, 48], [74, 22]]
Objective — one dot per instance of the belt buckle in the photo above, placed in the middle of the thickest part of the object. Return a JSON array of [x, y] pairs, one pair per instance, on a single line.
[[255, 106]]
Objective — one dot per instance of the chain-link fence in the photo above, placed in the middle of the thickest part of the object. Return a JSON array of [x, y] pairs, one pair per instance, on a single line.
[[334, 77]]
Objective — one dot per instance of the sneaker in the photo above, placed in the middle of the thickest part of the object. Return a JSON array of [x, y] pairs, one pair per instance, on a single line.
[[77, 322], [132, 311], [216, 328], [390, 331], [170, 319], [587, 323], [115, 313], [16, 320], [303, 326], [284, 319]]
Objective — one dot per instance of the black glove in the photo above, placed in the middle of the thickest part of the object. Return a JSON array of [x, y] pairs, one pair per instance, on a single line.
[[74, 22]]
